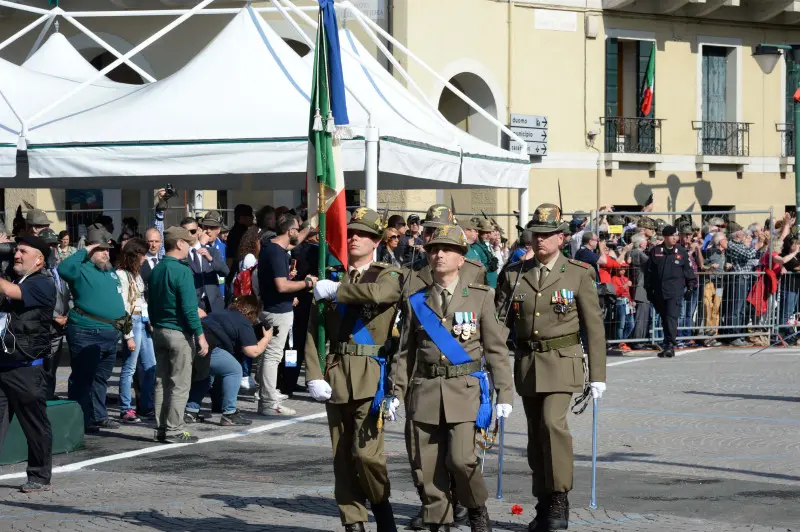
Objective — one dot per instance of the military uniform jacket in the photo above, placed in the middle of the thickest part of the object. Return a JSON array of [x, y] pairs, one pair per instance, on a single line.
[[538, 316], [373, 299], [668, 272], [480, 252], [458, 397], [422, 277]]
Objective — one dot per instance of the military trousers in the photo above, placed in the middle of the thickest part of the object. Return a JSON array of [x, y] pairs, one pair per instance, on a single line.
[[442, 451], [549, 442], [359, 465]]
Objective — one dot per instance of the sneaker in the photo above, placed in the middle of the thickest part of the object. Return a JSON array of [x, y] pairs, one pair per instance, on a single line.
[[193, 417], [251, 382], [235, 418], [624, 347], [183, 437], [147, 414], [740, 342], [106, 424], [277, 410], [245, 384], [33, 486], [713, 343], [129, 416], [282, 396]]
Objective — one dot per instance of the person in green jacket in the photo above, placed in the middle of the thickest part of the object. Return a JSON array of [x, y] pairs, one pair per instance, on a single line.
[[482, 252], [176, 327], [93, 327]]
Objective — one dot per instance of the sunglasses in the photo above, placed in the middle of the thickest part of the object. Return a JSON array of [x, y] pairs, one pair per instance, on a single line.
[[193, 231], [393, 237]]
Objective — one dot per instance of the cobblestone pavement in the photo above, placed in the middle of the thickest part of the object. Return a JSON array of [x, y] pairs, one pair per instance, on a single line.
[[709, 441]]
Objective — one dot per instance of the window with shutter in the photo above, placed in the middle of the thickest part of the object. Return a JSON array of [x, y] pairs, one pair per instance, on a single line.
[[714, 100], [646, 129], [612, 93]]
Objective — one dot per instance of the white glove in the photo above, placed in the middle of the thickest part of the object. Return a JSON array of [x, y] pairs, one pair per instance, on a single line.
[[319, 390], [597, 389], [391, 413], [503, 410], [325, 289]]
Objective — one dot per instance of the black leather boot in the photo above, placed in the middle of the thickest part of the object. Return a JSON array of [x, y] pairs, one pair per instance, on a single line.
[[416, 522], [384, 517], [355, 527], [439, 528], [539, 523], [479, 520], [558, 513]]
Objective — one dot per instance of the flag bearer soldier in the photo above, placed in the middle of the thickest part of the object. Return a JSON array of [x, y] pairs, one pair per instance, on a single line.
[[451, 325], [421, 277], [553, 297], [358, 323]]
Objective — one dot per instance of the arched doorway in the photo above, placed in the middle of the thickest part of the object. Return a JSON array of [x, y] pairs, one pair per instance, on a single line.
[[121, 74], [458, 112]]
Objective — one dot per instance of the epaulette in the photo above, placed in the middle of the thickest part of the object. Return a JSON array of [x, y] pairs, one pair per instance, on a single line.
[[338, 268], [579, 263], [381, 265], [480, 286], [473, 261]]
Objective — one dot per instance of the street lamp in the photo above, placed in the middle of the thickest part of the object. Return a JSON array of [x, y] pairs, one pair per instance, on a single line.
[[767, 55]]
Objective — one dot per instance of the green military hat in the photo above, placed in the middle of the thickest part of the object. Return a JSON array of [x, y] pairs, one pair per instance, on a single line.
[[49, 236], [438, 215], [646, 223], [485, 226], [685, 229], [367, 220], [547, 219], [451, 235], [212, 219], [37, 217], [470, 223]]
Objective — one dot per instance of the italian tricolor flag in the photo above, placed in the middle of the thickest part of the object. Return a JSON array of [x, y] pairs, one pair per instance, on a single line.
[[649, 85], [328, 110]]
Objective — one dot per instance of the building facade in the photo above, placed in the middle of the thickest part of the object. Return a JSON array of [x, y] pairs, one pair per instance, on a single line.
[[717, 134]]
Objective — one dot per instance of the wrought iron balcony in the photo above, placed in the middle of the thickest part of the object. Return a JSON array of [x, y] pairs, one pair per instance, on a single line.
[[723, 139], [632, 135], [787, 139]]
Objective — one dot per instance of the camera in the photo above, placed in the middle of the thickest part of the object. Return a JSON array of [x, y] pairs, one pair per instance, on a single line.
[[169, 191]]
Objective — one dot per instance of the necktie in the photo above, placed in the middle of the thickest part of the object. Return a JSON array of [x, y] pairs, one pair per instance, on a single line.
[[355, 275], [198, 261], [542, 275], [445, 301]]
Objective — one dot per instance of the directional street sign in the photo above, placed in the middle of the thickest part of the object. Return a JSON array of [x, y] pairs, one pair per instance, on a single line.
[[534, 148], [534, 121], [531, 135], [533, 130]]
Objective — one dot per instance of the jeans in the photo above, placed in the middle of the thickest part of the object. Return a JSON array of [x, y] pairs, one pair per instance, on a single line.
[[789, 297], [247, 366], [224, 365], [146, 357], [688, 308], [92, 356], [267, 374], [624, 321], [739, 287]]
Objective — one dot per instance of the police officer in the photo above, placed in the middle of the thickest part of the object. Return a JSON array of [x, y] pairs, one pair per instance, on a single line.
[[451, 325], [550, 301], [27, 311], [358, 324], [668, 272], [481, 251], [421, 277]]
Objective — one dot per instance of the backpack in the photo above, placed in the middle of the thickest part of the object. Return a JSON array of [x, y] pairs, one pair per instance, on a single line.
[[243, 283]]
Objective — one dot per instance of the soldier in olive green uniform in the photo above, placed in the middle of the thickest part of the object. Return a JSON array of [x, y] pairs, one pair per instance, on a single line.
[[421, 277], [548, 298], [481, 252], [358, 323], [450, 326]]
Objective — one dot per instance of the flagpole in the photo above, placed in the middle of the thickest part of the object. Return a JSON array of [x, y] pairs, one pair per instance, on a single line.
[[323, 255]]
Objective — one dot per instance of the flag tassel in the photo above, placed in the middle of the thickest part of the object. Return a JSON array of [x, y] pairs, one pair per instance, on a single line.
[[317, 121], [330, 125]]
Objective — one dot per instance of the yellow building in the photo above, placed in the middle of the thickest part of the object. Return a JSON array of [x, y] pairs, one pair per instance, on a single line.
[[716, 138]]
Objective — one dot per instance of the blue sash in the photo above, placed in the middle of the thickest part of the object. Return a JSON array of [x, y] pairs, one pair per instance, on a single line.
[[453, 351], [362, 336]]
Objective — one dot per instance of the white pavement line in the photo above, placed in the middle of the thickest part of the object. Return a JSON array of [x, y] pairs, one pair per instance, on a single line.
[[69, 468], [641, 359]]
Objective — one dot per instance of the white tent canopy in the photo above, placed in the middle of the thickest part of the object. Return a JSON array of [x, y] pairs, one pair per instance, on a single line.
[[57, 57], [206, 120]]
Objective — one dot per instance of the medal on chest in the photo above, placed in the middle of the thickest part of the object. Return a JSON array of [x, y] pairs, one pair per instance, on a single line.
[[459, 323], [562, 300]]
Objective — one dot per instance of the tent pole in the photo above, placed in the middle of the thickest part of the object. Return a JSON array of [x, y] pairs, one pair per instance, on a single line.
[[29, 9], [24, 30], [174, 12], [153, 38], [40, 38], [89, 33], [523, 206], [372, 138]]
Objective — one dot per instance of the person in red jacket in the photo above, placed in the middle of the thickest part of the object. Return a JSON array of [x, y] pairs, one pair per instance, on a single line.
[[625, 306]]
